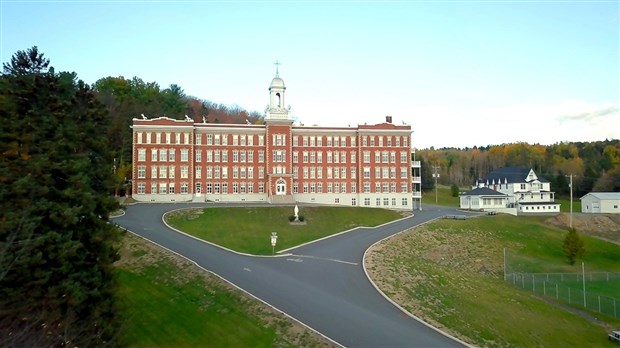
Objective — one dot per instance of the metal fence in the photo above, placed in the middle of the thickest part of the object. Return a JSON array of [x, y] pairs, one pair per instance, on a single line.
[[563, 287]]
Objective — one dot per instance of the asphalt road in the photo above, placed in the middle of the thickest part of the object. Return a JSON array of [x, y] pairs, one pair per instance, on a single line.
[[322, 284]]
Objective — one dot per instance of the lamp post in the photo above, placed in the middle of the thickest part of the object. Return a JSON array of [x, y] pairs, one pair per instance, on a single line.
[[274, 239]]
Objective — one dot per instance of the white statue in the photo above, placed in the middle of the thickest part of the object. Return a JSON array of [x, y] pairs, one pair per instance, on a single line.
[[296, 213]]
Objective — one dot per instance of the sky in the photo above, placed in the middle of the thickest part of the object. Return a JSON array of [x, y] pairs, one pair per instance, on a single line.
[[461, 73]]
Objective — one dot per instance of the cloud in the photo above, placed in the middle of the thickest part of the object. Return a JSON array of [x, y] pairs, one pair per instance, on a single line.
[[543, 123], [590, 116]]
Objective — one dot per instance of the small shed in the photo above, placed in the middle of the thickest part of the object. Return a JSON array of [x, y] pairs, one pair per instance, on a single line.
[[601, 202]]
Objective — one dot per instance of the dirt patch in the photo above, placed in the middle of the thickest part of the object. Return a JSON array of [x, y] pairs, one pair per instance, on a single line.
[[137, 253], [604, 226]]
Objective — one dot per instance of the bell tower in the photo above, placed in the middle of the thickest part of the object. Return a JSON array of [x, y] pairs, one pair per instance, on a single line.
[[276, 110], [278, 144]]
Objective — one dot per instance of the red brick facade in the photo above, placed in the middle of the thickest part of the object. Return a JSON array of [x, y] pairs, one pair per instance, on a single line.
[[367, 165]]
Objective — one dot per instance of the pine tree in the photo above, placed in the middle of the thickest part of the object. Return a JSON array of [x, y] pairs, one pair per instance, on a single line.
[[454, 190], [57, 246], [573, 246]]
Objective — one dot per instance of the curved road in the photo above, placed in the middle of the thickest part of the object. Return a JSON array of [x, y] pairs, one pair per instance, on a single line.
[[321, 284]]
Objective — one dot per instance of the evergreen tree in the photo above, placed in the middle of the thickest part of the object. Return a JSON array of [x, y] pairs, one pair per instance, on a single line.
[[573, 246], [57, 246], [454, 190]]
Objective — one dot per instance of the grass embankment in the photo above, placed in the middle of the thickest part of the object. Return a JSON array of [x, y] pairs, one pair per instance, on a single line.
[[450, 273], [168, 301], [249, 229]]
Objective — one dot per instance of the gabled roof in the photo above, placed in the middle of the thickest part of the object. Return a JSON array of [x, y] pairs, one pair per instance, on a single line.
[[483, 191], [606, 196], [513, 175]]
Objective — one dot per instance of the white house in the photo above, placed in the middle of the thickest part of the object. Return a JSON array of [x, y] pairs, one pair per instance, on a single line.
[[483, 198], [525, 192], [601, 202]]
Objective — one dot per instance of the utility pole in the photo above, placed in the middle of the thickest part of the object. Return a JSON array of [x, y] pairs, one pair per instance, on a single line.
[[436, 176], [570, 184]]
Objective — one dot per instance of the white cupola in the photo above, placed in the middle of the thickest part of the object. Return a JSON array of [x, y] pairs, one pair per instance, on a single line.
[[276, 108]]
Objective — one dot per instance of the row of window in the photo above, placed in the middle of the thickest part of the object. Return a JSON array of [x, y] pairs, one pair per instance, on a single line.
[[386, 201], [243, 156], [180, 138], [161, 188], [341, 187], [542, 196], [386, 172], [163, 155], [533, 186], [538, 207], [177, 138], [168, 172], [248, 187]]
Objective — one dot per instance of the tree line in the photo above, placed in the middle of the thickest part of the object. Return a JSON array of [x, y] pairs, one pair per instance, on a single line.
[[125, 99], [594, 166]]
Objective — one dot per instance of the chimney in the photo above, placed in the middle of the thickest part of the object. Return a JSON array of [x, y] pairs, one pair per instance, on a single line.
[[388, 119]]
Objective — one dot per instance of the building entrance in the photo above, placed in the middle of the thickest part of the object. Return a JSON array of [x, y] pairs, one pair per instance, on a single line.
[[280, 187]]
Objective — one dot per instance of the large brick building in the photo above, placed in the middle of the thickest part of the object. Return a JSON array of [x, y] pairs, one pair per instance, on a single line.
[[277, 162]]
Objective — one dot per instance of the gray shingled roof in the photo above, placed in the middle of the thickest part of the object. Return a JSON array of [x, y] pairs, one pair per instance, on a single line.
[[483, 191], [514, 175]]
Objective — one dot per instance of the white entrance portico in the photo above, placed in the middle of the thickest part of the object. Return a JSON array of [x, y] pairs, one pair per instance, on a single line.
[[280, 187]]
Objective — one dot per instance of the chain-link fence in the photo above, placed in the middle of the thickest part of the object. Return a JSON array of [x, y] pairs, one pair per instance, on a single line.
[[569, 288]]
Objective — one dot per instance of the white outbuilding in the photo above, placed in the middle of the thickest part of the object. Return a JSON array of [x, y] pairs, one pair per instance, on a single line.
[[601, 202]]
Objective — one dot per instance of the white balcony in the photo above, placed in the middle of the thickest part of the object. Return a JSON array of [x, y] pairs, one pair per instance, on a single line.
[[416, 179], [416, 164], [416, 194]]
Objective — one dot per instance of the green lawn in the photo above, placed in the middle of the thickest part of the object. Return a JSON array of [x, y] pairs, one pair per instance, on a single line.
[[249, 229], [450, 273], [565, 204], [444, 197], [168, 302]]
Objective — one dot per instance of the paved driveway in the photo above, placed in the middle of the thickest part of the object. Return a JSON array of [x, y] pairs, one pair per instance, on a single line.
[[321, 284]]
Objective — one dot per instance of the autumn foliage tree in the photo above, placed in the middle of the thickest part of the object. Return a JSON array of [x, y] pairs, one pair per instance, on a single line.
[[594, 165], [57, 247]]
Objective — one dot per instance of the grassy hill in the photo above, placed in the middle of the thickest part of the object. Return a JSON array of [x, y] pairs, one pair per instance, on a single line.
[[169, 302], [450, 273]]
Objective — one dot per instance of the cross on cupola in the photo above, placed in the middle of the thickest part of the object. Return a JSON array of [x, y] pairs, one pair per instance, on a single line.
[[277, 64]]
